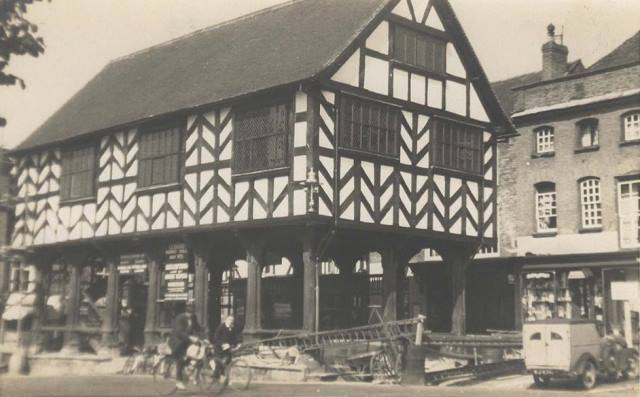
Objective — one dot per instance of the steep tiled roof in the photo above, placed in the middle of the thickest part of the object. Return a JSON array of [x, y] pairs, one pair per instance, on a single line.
[[270, 48], [282, 45], [628, 52]]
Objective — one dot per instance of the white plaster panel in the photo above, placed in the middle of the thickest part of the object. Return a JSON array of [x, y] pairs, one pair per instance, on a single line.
[[456, 97], [376, 75], [301, 102], [433, 20], [418, 88], [476, 109], [300, 134], [300, 168], [299, 202], [402, 9], [400, 84], [349, 72], [434, 93], [454, 64], [378, 40]]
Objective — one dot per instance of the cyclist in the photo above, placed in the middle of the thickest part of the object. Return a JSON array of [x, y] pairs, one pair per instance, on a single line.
[[184, 332], [225, 339]]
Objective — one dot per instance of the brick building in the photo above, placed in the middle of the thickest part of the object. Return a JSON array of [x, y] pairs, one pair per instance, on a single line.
[[569, 197]]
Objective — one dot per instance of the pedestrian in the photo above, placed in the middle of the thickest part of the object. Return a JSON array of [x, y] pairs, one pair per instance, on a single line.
[[185, 331]]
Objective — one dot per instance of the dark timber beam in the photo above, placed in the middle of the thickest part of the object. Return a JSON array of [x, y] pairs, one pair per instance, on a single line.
[[110, 319], [457, 260], [310, 292], [155, 258], [254, 248]]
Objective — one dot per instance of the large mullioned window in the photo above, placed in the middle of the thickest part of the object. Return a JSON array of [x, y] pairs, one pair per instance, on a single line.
[[456, 146], [590, 203], [419, 50], [77, 179], [588, 133], [369, 126], [261, 138], [159, 156], [546, 207]]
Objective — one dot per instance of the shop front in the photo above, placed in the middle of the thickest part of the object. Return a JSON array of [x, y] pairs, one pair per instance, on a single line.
[[599, 288]]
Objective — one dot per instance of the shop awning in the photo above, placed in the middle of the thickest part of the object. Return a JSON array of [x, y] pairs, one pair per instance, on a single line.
[[580, 261], [17, 312]]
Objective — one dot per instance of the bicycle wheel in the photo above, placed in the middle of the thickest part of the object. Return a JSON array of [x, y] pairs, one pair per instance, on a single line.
[[210, 384], [127, 368], [238, 375], [164, 377]]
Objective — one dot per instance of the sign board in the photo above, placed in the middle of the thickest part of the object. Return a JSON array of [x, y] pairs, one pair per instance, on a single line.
[[134, 263], [625, 290], [176, 281]]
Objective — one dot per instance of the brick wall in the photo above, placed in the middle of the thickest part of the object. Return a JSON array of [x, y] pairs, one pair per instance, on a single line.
[[577, 88], [519, 171]]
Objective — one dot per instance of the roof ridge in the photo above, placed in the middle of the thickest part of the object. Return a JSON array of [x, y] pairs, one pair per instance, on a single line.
[[208, 28]]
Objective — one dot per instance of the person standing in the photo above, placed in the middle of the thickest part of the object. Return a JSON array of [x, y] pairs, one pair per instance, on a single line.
[[184, 332]]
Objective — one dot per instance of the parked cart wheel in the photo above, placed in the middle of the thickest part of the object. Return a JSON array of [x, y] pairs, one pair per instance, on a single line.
[[631, 370], [541, 380], [589, 375]]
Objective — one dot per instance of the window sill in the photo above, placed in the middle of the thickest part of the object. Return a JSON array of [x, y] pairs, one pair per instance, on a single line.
[[261, 173], [368, 155], [457, 173], [630, 142], [79, 200], [596, 229], [541, 155], [587, 149], [551, 233], [158, 188]]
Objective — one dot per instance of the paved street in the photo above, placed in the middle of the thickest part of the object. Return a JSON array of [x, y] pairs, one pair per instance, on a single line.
[[112, 386]]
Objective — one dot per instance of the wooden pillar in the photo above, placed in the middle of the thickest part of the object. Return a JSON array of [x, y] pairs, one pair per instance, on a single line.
[[215, 291], [201, 289], [110, 320], [421, 296], [392, 270], [253, 310], [457, 259], [155, 259], [5, 273], [73, 307], [310, 286]]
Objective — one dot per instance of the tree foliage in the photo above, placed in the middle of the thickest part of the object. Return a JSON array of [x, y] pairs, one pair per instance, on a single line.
[[18, 36]]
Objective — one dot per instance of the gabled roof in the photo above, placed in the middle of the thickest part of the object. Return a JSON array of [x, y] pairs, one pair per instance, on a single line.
[[626, 53], [273, 47], [278, 46]]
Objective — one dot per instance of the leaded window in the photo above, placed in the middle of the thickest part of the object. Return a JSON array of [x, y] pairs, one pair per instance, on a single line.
[[418, 49], [261, 136], [369, 126], [631, 125], [588, 133], [544, 140], [159, 156], [456, 146], [77, 179], [590, 203], [629, 207], [546, 207]]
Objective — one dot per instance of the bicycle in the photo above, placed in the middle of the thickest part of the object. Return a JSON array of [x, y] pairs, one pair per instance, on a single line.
[[199, 371]]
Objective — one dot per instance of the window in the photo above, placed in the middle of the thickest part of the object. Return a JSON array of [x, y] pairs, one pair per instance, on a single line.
[[629, 207], [555, 336], [77, 179], [587, 133], [456, 146], [590, 203], [419, 49], [546, 215], [536, 336], [261, 138], [158, 158], [544, 140], [369, 126], [631, 125]]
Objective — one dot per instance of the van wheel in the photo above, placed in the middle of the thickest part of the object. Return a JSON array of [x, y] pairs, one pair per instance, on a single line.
[[589, 375], [631, 371], [541, 380]]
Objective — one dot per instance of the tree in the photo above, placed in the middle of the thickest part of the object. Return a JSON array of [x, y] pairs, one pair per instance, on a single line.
[[18, 36]]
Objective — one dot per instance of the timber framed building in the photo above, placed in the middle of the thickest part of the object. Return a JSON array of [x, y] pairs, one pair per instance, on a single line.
[[315, 130]]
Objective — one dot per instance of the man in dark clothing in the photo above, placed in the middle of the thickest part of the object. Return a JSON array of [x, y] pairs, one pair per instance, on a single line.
[[224, 340], [184, 332]]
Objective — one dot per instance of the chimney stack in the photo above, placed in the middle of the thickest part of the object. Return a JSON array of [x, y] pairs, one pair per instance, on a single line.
[[554, 56]]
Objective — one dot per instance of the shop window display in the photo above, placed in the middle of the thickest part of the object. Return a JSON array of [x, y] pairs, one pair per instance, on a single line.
[[93, 291], [563, 294]]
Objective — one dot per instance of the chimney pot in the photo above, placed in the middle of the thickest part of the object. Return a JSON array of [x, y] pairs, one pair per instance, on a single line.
[[554, 56]]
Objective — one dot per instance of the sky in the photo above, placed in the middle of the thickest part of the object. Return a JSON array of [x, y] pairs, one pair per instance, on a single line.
[[82, 36]]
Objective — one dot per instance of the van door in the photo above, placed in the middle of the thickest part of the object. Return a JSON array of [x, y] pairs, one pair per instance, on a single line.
[[535, 346], [557, 349]]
